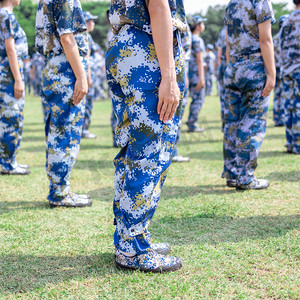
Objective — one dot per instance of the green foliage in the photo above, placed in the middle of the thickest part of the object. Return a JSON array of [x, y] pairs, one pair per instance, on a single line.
[[279, 9], [25, 14]]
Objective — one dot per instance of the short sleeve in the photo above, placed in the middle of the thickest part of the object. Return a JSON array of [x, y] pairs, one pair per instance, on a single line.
[[264, 11], [68, 17], [6, 26], [197, 45]]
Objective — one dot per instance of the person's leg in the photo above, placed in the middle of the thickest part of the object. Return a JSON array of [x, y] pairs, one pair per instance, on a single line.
[[253, 119], [296, 113], [146, 143], [11, 119], [63, 125], [198, 98], [277, 99], [288, 92]]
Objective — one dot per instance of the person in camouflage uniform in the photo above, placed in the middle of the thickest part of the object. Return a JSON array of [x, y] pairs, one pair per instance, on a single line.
[[249, 79], [61, 38], [210, 59], [36, 72], [146, 84], [278, 103], [186, 41], [290, 71], [196, 73], [90, 97], [221, 45], [13, 49]]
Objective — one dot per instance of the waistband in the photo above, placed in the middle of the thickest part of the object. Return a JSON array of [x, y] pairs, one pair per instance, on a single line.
[[234, 59]]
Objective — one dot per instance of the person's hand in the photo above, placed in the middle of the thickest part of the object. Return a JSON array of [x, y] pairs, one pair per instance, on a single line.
[[18, 89], [200, 85], [80, 89], [169, 95], [270, 83]]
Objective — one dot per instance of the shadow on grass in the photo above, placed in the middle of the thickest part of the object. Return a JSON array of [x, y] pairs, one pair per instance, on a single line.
[[22, 273], [6, 207], [84, 146], [95, 164], [215, 229], [293, 176], [170, 192], [205, 155]]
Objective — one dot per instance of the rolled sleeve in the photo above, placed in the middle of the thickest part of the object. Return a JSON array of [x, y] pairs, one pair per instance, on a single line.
[[6, 27]]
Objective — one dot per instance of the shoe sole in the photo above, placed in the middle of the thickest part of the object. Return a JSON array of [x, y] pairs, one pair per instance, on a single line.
[[238, 188], [158, 270], [231, 185], [74, 206]]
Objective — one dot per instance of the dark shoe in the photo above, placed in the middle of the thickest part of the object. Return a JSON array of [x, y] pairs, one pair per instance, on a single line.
[[148, 262], [161, 248], [16, 171], [72, 200], [231, 182], [279, 125], [179, 158], [87, 135], [257, 184], [196, 129]]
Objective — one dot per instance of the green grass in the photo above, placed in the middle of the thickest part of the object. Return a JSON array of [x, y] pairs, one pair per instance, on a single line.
[[238, 245]]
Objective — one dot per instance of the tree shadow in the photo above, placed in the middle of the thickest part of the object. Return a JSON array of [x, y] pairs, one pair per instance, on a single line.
[[292, 176], [205, 155], [266, 154], [6, 207], [216, 229], [34, 149], [275, 136], [27, 138], [23, 273], [95, 164], [84, 146]]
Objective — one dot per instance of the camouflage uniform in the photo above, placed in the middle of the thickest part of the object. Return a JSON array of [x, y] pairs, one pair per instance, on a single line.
[[38, 64], [210, 59], [198, 97], [278, 103], [64, 120], [221, 43], [11, 109], [245, 77], [146, 143], [290, 71], [90, 97]]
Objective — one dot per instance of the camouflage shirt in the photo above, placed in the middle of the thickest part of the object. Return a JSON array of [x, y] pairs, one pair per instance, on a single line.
[[277, 50], [186, 41], [55, 18], [9, 27], [290, 43], [135, 12], [221, 43], [242, 19]]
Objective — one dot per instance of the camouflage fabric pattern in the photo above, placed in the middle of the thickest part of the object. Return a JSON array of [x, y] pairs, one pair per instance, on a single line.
[[242, 19], [221, 43], [198, 97], [245, 118], [11, 109], [291, 92], [63, 120], [135, 12], [146, 143], [289, 44], [278, 102], [209, 61], [55, 18]]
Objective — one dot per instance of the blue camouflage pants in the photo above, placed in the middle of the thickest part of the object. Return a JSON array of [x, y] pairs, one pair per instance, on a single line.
[[147, 144], [63, 123], [208, 83], [89, 103], [278, 102], [198, 98], [291, 88], [11, 116], [245, 117], [222, 90]]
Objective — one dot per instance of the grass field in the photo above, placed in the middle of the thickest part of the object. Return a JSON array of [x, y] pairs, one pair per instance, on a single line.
[[239, 245]]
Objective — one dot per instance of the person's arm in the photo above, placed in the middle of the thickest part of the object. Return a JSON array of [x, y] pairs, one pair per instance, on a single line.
[[227, 49], [89, 74], [71, 50], [14, 66], [201, 81], [169, 93], [218, 60], [267, 51]]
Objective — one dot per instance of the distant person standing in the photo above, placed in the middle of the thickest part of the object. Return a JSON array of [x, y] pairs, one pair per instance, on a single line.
[[13, 50], [249, 79], [61, 38], [290, 71], [210, 59], [278, 101], [196, 73]]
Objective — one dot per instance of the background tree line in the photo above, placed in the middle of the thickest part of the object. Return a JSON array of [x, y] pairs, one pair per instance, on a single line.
[[26, 11]]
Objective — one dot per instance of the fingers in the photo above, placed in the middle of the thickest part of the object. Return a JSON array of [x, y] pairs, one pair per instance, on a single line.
[[78, 96], [168, 109]]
